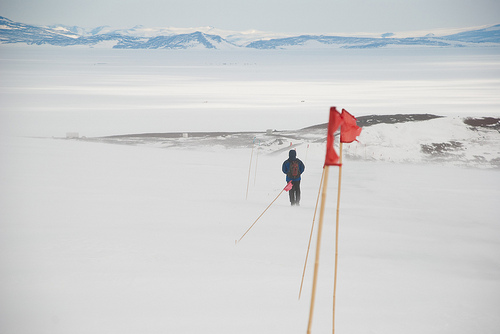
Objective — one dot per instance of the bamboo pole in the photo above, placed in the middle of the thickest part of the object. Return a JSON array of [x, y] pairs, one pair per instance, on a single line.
[[249, 169], [310, 236], [318, 247], [260, 216], [337, 237], [256, 164]]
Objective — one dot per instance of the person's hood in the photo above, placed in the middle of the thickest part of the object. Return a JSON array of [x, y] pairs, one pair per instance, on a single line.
[[292, 155]]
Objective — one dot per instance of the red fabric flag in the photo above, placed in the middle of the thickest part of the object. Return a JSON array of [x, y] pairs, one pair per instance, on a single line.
[[332, 158], [288, 186], [349, 130]]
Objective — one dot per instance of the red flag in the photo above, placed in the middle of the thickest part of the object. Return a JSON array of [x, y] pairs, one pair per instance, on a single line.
[[332, 158], [288, 186], [349, 130]]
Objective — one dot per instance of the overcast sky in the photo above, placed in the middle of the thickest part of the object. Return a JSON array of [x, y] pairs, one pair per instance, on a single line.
[[293, 16]]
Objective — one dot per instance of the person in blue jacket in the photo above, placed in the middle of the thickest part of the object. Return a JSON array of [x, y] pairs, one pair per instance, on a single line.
[[293, 168]]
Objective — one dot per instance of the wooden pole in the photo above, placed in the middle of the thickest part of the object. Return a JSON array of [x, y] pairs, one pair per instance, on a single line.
[[310, 236], [318, 247], [249, 169], [337, 237], [256, 164], [260, 216]]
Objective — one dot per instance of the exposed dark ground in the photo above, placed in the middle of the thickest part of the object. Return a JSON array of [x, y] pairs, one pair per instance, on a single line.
[[315, 133], [277, 141], [241, 138]]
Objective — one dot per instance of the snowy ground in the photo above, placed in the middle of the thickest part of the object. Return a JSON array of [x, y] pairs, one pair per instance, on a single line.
[[105, 238], [101, 238], [48, 91]]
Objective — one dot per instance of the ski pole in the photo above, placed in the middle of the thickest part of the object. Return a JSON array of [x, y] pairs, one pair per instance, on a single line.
[[287, 188]]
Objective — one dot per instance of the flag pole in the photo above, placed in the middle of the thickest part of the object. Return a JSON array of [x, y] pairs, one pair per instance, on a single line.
[[287, 188], [256, 164], [312, 228], [337, 236], [260, 216], [250, 168], [318, 247], [307, 151]]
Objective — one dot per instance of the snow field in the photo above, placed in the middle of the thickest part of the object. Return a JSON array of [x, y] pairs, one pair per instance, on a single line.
[[122, 239], [50, 91], [100, 238]]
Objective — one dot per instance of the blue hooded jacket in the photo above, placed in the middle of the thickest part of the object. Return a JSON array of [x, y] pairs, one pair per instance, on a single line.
[[292, 155]]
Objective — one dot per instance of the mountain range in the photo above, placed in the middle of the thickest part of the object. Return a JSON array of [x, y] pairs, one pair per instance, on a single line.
[[141, 37]]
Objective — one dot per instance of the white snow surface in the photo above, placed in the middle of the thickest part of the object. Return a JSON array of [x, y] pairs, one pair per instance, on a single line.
[[106, 238], [48, 91]]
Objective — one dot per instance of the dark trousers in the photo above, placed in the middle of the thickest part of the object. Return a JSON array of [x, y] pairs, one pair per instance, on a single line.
[[295, 193]]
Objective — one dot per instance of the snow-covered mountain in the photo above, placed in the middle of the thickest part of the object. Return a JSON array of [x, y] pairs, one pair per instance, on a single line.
[[182, 41], [15, 32], [140, 37], [473, 39]]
